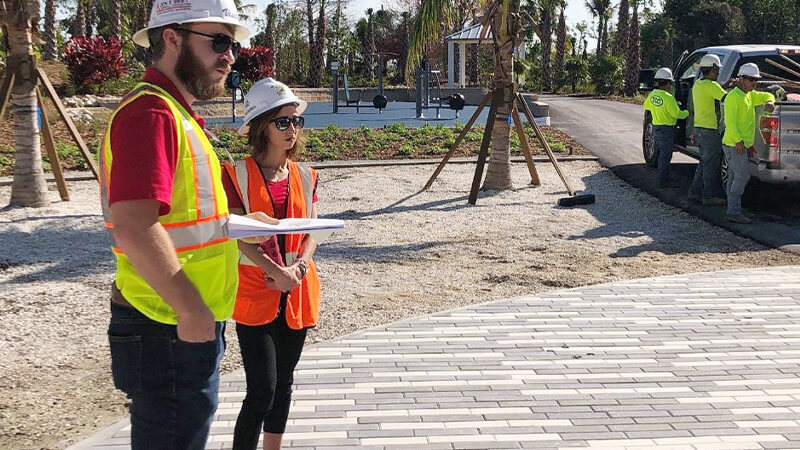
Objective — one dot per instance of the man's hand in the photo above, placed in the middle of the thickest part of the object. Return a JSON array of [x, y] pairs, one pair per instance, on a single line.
[[751, 151], [769, 107], [285, 281], [260, 216], [197, 326], [740, 147]]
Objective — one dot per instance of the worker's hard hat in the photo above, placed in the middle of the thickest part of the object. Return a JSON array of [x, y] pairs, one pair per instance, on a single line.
[[265, 95], [167, 12], [749, 70], [663, 73], [710, 60]]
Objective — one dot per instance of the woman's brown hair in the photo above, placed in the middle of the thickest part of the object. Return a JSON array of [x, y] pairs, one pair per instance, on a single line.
[[257, 136]]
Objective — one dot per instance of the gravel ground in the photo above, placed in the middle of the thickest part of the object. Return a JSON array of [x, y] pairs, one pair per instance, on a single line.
[[403, 254]]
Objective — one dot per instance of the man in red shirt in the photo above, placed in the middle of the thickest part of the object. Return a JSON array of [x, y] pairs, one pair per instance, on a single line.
[[167, 320]]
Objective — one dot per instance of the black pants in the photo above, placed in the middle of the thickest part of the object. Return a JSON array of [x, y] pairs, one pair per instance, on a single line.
[[270, 353]]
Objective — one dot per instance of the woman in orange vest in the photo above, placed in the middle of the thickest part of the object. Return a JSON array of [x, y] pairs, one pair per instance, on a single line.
[[278, 295]]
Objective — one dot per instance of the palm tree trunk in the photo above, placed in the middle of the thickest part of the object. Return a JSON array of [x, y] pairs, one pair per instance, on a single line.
[[115, 17], [561, 49], [79, 26], [310, 23], [634, 55], [50, 51], [269, 33], [498, 174], [546, 25], [371, 47], [29, 187], [621, 43], [318, 49]]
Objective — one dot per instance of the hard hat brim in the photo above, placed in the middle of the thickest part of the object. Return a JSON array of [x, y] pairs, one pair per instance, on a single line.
[[240, 32], [301, 107]]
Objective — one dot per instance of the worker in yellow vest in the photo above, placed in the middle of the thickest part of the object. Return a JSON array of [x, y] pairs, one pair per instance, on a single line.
[[740, 134], [706, 92], [272, 318], [665, 113], [165, 206]]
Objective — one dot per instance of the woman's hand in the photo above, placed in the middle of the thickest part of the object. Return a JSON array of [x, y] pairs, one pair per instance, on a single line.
[[285, 280]]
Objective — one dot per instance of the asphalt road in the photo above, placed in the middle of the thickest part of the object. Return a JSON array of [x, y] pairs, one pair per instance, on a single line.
[[612, 131]]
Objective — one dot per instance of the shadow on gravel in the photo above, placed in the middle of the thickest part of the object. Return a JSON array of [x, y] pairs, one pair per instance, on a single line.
[[62, 254], [384, 254], [774, 207], [446, 205]]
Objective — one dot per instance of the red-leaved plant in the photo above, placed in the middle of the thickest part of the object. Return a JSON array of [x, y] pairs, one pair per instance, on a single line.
[[255, 63], [93, 61]]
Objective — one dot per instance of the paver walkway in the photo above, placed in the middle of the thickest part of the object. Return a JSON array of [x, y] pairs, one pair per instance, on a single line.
[[701, 361]]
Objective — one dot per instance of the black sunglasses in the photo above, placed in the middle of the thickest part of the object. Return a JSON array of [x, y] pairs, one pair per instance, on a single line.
[[220, 43], [282, 123], [748, 78]]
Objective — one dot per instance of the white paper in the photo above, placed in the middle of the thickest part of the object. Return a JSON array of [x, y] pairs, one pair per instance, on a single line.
[[242, 227]]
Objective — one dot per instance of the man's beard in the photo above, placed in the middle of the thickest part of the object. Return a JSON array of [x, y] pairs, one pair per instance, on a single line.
[[196, 77]]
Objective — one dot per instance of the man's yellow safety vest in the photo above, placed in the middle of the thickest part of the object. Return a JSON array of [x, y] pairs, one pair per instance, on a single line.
[[705, 93], [196, 223], [664, 108]]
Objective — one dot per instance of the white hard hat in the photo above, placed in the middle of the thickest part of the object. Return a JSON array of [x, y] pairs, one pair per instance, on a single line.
[[265, 95], [749, 70], [710, 60], [663, 73], [166, 12]]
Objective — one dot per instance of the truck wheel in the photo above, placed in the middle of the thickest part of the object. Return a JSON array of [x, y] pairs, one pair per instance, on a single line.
[[648, 142]]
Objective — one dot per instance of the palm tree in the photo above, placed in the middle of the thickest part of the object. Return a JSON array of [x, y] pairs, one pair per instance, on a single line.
[[19, 17], [310, 24], [634, 59], [318, 49], [599, 9], [546, 11], [50, 51], [81, 20], [369, 57], [115, 19], [621, 43], [561, 46], [505, 23], [405, 30], [269, 32]]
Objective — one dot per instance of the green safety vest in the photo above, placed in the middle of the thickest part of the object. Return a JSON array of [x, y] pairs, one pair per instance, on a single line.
[[740, 115], [705, 93], [663, 108], [196, 223]]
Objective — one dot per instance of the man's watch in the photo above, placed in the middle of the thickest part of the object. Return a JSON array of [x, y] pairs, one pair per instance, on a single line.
[[303, 266]]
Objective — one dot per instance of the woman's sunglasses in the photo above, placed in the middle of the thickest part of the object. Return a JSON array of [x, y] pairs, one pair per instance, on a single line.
[[220, 43], [282, 123]]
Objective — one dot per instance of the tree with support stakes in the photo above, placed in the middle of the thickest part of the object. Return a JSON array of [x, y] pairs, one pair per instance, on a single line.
[[19, 87], [19, 19], [507, 27]]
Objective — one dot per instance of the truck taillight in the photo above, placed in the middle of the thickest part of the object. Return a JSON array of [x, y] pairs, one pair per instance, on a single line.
[[770, 131]]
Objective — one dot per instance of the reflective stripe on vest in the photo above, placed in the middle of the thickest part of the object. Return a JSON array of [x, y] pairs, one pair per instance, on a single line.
[[196, 223], [255, 304]]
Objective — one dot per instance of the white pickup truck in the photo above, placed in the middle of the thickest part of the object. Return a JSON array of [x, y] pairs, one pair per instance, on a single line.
[[777, 143]]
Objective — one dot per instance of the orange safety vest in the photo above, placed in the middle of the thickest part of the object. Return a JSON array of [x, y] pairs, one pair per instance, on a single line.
[[255, 303]]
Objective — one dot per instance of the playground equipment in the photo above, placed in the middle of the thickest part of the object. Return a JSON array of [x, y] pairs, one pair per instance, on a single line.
[[233, 83], [348, 102], [429, 92]]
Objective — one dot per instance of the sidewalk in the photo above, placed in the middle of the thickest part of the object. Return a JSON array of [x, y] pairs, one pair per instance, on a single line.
[[700, 361]]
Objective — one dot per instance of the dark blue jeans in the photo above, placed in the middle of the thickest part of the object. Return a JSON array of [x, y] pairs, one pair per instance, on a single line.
[[173, 385], [665, 142]]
